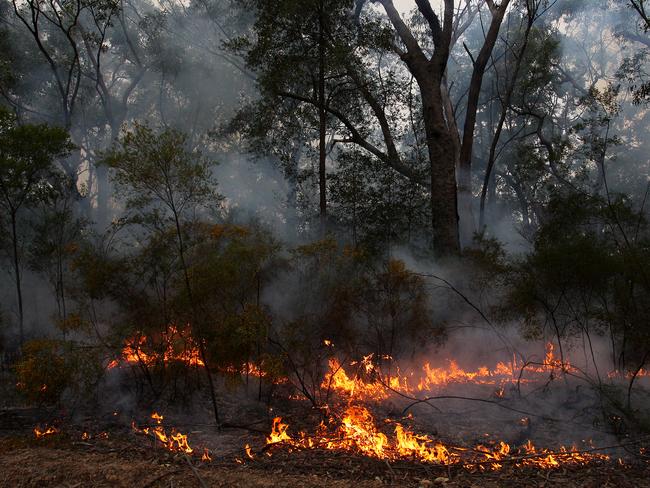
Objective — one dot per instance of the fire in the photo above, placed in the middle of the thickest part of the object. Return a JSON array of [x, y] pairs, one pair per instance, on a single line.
[[40, 433], [248, 451], [178, 346], [338, 380], [421, 447], [358, 432], [278, 432], [174, 441], [369, 384], [206, 456]]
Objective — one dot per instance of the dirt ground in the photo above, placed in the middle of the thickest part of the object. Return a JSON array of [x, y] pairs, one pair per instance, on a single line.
[[56, 462]]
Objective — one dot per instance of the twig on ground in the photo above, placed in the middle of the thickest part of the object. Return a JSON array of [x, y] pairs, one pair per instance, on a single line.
[[195, 471]]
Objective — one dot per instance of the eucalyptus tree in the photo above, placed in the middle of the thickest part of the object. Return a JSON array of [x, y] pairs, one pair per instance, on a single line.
[[299, 56], [57, 235], [375, 56], [636, 33], [165, 186], [27, 161]]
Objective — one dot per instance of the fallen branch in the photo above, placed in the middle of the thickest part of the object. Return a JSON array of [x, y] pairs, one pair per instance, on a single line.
[[195, 471]]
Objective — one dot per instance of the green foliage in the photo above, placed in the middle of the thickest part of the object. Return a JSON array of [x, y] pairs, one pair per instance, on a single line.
[[379, 206], [588, 274], [229, 268], [49, 368], [159, 175], [397, 315], [27, 156]]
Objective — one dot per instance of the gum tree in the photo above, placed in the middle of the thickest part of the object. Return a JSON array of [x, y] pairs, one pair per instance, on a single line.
[[165, 185], [27, 160]]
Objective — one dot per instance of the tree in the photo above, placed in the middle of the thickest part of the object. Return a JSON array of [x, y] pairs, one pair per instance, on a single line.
[[27, 156], [57, 233], [165, 184], [633, 69], [360, 95], [299, 59]]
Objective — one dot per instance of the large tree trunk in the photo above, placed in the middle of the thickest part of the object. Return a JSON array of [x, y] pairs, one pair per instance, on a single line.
[[322, 127], [442, 158], [465, 196]]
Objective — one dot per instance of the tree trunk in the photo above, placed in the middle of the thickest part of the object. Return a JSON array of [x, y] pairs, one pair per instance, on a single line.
[[19, 291], [103, 192], [442, 159], [204, 357], [465, 196], [322, 175]]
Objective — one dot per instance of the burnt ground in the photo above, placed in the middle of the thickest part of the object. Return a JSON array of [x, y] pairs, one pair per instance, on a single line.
[[114, 456], [124, 459]]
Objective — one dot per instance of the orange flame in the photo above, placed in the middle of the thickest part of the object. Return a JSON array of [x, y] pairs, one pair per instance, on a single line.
[[179, 346], [368, 383], [357, 432], [174, 441], [40, 433]]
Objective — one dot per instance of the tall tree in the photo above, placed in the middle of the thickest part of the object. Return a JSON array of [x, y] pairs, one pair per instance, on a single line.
[[166, 184], [362, 88], [27, 156]]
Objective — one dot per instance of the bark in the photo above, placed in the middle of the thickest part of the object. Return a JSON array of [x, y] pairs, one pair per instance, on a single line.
[[442, 157], [505, 106], [440, 142], [19, 290], [465, 196], [322, 119]]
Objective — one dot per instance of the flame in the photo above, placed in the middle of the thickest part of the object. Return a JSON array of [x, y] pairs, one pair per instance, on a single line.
[[421, 447], [174, 441], [248, 451], [40, 433], [357, 432], [368, 383], [206, 456], [278, 432], [178, 346]]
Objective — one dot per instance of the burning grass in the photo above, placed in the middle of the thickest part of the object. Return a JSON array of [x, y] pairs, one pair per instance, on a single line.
[[351, 429], [173, 440], [357, 432]]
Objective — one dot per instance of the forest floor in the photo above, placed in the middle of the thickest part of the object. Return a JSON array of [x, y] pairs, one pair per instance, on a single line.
[[61, 461], [112, 455]]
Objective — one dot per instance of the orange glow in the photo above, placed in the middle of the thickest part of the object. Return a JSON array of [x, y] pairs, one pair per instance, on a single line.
[[174, 441], [40, 433], [248, 451], [177, 346], [206, 456], [369, 384], [357, 432], [278, 432]]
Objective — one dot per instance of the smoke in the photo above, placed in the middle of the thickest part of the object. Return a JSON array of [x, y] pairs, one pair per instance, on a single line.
[[190, 84]]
